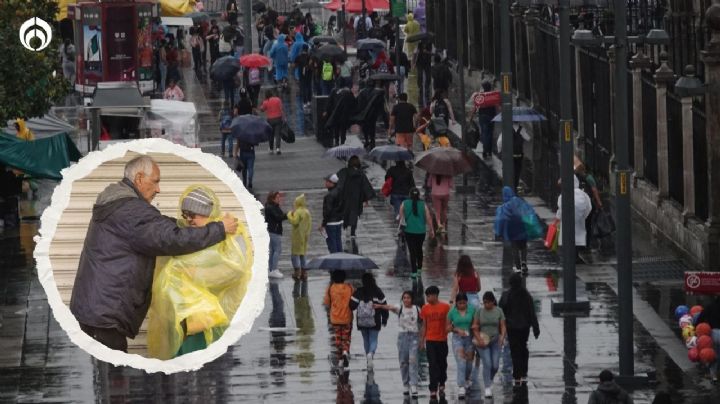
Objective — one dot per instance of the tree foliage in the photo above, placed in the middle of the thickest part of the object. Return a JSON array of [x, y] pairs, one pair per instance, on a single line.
[[29, 81]]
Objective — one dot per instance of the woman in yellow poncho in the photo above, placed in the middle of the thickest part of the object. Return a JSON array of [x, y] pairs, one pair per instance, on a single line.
[[301, 222], [23, 132], [194, 296]]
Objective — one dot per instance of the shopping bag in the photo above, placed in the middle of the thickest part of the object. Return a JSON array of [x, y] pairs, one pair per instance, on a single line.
[[551, 236], [387, 187], [603, 224], [533, 229], [287, 134]]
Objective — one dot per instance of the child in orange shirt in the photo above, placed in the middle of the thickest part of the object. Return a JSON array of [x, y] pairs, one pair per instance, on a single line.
[[337, 298], [433, 338]]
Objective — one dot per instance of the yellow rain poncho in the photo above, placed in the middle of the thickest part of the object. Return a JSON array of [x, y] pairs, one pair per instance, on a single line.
[[204, 288], [412, 27], [301, 222], [23, 132]]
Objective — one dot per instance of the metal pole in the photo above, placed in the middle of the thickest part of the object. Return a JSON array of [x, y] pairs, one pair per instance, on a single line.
[[460, 41], [506, 77], [623, 238], [247, 43], [567, 151], [344, 27]]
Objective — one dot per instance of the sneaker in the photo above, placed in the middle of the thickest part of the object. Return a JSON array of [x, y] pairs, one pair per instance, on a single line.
[[488, 392], [275, 274], [441, 390], [461, 393], [346, 361], [524, 268], [414, 391], [277, 151], [406, 390]]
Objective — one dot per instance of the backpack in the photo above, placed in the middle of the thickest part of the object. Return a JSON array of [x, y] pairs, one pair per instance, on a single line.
[[225, 121], [417, 313], [441, 110], [327, 71], [254, 76], [361, 27], [366, 314]]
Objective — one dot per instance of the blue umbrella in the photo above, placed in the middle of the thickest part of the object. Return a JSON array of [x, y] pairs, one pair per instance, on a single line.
[[225, 68], [250, 129], [522, 114], [391, 152], [344, 151], [342, 261]]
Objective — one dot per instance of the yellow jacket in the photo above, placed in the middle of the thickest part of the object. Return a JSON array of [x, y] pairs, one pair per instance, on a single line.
[[23, 132], [301, 222]]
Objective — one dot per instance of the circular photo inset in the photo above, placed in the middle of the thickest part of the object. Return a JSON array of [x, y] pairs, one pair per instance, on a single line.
[[153, 255]]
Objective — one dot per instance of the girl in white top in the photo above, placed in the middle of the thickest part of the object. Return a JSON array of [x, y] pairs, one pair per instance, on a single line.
[[407, 342]]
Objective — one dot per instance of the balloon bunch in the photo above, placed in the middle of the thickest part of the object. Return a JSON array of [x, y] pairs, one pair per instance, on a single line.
[[696, 336]]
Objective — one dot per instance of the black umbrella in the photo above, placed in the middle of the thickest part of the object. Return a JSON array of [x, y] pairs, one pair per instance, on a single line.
[[370, 44], [250, 129], [230, 31], [258, 6], [322, 39], [342, 261], [385, 77], [421, 36], [329, 52], [225, 68]]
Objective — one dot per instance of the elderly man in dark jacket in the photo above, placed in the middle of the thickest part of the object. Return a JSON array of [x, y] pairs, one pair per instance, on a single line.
[[333, 212], [111, 294], [608, 392]]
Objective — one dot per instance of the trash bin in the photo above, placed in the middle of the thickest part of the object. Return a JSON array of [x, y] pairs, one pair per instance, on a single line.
[[319, 102]]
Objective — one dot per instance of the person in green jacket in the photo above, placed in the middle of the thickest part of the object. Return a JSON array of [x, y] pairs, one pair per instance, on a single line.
[[301, 222]]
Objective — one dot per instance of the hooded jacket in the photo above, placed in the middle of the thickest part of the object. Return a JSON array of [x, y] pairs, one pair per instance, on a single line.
[[583, 206], [609, 393], [279, 51], [519, 309], [301, 222], [509, 217], [114, 278], [297, 46]]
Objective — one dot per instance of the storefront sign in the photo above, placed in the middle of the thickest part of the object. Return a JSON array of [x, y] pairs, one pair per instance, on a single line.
[[702, 283]]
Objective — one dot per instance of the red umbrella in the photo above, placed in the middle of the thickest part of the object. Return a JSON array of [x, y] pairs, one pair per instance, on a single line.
[[254, 60], [355, 6]]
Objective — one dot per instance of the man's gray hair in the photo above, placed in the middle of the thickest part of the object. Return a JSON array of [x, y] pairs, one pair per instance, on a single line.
[[140, 164]]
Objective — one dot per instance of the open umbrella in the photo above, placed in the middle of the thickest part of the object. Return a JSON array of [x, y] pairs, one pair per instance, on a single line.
[[344, 151], [522, 114], [342, 261], [420, 36], [254, 60], [250, 129], [224, 68], [328, 52], [443, 161], [323, 39], [385, 77], [391, 152], [198, 16], [370, 44]]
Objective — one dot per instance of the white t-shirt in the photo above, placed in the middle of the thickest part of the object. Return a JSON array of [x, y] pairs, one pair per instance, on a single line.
[[408, 318]]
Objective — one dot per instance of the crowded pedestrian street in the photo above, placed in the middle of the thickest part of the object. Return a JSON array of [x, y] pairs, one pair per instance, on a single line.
[[411, 259]]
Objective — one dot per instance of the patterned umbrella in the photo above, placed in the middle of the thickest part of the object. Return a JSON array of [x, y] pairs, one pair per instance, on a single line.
[[344, 151], [391, 152], [522, 114], [342, 261], [443, 161]]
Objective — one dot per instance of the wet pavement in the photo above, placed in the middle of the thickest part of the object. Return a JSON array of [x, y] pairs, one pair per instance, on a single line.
[[287, 357]]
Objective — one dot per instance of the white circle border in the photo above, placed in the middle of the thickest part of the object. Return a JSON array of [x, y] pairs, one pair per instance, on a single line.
[[251, 305]]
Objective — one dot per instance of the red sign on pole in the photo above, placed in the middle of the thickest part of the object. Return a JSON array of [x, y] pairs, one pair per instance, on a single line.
[[702, 283], [486, 99]]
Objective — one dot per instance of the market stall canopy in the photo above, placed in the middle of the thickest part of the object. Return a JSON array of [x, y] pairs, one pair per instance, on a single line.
[[355, 6], [118, 98], [42, 158], [43, 127], [177, 21]]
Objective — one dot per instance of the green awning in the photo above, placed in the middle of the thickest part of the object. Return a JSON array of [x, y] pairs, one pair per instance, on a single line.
[[42, 158]]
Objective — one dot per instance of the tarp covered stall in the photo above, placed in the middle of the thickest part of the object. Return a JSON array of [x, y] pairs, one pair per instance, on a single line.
[[42, 158], [116, 112], [46, 126], [175, 121]]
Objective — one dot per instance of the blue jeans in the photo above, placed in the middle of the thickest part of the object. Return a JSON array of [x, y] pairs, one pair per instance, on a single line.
[[275, 249], [473, 300], [227, 139], [370, 339], [248, 160], [298, 261], [396, 200], [334, 237], [716, 343], [407, 344], [490, 356], [462, 346]]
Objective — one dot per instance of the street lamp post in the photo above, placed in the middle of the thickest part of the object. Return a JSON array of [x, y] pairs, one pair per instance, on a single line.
[[247, 17], [506, 112]]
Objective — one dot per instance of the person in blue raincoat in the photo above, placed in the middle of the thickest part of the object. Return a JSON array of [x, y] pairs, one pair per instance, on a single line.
[[297, 48], [516, 222], [279, 55]]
